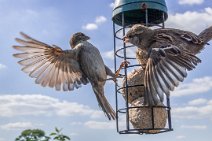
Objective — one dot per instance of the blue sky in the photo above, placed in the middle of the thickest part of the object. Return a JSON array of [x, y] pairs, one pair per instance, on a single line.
[[24, 104]]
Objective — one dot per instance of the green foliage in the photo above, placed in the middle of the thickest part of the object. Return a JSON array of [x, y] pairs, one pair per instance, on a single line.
[[58, 136], [39, 135], [32, 135]]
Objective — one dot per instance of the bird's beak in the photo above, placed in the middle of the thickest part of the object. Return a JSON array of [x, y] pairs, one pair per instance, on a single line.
[[87, 38], [126, 39]]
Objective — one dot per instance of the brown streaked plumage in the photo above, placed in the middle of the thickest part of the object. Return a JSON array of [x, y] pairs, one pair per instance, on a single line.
[[166, 55], [66, 69]]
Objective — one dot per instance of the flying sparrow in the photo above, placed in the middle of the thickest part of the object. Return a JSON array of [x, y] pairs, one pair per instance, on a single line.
[[166, 55], [66, 69]]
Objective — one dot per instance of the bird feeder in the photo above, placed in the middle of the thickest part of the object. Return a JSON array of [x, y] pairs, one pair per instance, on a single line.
[[132, 116]]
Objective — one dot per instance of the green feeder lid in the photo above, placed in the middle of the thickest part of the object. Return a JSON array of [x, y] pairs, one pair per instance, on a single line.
[[134, 11]]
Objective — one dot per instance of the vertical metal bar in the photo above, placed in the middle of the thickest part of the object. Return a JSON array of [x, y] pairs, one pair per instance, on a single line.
[[169, 113], [116, 94], [153, 122], [163, 16], [146, 17], [167, 97], [125, 73]]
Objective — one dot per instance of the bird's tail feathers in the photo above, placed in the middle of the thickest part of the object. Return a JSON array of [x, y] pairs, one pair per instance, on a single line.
[[103, 103], [206, 35]]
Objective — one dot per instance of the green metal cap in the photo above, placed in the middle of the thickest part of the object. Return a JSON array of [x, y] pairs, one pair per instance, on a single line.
[[134, 11]]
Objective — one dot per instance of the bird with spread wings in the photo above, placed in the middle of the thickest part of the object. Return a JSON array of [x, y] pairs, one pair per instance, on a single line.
[[66, 69], [165, 55]]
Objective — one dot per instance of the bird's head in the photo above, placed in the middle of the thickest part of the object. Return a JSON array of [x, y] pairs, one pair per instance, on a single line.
[[136, 33], [77, 38]]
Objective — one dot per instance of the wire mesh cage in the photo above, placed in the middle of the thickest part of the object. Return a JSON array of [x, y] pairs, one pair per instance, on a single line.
[[133, 117]]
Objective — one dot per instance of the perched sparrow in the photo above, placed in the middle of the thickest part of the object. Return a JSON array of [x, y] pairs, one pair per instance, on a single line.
[[166, 55], [66, 69]]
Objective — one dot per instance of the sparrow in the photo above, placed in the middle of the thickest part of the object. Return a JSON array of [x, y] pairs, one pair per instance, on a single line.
[[66, 69], [165, 55]]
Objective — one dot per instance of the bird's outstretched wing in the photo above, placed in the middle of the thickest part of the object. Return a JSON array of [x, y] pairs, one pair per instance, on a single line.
[[50, 65], [166, 67]]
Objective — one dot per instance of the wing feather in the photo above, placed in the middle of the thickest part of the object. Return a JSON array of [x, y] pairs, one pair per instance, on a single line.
[[159, 88], [50, 65], [165, 68]]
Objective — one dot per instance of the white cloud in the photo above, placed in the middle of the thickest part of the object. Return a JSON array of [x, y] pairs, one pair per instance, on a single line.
[[190, 2], [108, 54], [100, 19], [181, 137], [74, 134], [198, 101], [76, 123], [17, 126], [2, 66], [34, 105], [2, 139], [130, 52], [112, 5], [196, 127], [193, 21], [93, 26], [90, 26], [209, 102], [188, 112], [197, 86], [100, 125], [107, 125]]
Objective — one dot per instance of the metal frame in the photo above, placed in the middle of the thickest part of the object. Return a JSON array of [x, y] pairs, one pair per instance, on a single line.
[[125, 110]]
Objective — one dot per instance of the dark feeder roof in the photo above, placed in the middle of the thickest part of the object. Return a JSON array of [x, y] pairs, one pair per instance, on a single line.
[[134, 11]]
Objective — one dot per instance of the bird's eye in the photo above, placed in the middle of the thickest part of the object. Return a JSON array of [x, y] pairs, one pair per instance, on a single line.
[[130, 36]]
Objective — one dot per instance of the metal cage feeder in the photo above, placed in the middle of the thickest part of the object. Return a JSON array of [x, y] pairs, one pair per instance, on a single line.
[[126, 13]]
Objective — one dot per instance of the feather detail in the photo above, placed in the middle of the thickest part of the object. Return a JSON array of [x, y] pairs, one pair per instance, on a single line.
[[49, 65], [166, 55], [165, 68]]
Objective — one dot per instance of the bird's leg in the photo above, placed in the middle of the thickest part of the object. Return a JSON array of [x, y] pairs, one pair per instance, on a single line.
[[123, 64]]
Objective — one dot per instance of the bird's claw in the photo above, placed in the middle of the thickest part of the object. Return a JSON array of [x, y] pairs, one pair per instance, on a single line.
[[123, 64]]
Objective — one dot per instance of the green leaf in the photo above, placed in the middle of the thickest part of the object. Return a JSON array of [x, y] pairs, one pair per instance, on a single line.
[[66, 137], [53, 134], [57, 130], [56, 138]]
